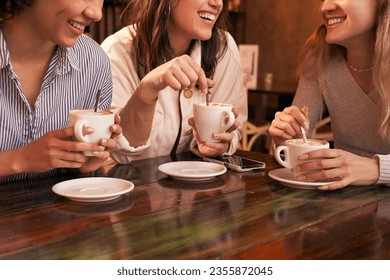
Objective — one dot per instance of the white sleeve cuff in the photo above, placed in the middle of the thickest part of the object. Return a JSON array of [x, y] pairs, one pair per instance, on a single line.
[[124, 153], [384, 169]]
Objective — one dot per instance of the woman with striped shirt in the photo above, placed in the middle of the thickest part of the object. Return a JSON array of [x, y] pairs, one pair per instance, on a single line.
[[47, 68]]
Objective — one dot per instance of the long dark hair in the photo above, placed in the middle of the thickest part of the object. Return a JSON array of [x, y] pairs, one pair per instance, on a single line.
[[10, 8], [151, 43]]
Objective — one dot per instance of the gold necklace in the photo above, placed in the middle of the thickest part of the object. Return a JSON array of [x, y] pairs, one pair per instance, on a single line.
[[354, 69]]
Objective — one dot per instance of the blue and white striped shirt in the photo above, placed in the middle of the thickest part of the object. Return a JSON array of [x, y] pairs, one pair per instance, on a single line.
[[74, 76]]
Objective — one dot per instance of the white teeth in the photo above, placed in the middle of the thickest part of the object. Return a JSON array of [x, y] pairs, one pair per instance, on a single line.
[[77, 25], [207, 16], [333, 21]]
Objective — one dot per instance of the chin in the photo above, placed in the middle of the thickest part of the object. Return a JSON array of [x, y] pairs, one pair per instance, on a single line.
[[68, 42], [204, 36], [330, 40]]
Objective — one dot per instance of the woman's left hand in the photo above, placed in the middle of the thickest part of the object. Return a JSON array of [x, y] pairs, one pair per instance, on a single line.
[[212, 149], [351, 169], [95, 162]]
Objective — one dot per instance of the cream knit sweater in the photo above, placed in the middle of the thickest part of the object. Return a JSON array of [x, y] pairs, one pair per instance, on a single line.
[[355, 115]]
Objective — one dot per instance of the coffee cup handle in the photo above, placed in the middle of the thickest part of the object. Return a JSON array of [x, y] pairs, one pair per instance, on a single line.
[[78, 131], [231, 120], [286, 162]]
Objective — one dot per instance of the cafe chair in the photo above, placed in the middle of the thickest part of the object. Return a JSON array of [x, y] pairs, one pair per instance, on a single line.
[[323, 130], [251, 131]]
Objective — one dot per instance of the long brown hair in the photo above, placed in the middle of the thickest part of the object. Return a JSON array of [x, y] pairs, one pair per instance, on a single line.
[[151, 43], [316, 54]]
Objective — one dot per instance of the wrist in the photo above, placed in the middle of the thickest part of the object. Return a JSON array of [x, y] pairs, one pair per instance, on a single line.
[[14, 164], [146, 96]]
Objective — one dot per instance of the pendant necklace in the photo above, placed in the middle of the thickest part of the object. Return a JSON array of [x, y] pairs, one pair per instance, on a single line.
[[354, 69]]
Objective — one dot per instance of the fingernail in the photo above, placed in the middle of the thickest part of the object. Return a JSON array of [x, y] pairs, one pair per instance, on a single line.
[[301, 177], [114, 126], [104, 140], [296, 169], [102, 148], [96, 153], [303, 157], [90, 129], [323, 188], [306, 126]]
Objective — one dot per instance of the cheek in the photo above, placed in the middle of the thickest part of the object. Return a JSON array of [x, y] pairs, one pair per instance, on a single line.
[[367, 17]]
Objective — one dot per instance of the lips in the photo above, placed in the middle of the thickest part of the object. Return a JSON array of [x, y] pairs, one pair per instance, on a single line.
[[207, 16], [334, 21], [77, 25]]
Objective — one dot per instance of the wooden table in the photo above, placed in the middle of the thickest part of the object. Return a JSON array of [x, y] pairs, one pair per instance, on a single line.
[[234, 216]]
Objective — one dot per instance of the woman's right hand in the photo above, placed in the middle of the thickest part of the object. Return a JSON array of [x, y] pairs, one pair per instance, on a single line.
[[287, 124], [55, 149], [179, 73]]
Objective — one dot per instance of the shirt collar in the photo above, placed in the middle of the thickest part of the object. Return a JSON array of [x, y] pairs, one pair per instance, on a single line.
[[196, 53], [67, 59], [4, 54]]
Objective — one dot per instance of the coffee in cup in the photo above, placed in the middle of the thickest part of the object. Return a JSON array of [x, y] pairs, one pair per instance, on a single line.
[[216, 117], [100, 121], [294, 148]]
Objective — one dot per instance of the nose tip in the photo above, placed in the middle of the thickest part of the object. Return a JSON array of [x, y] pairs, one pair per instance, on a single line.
[[327, 5], [94, 12], [217, 3]]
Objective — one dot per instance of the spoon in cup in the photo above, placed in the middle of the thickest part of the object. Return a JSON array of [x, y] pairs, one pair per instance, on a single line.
[[97, 100], [304, 134], [303, 130], [208, 94]]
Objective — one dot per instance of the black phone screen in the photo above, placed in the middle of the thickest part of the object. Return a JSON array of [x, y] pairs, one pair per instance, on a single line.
[[241, 161]]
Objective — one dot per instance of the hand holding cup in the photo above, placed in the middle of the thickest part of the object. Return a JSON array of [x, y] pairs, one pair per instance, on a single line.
[[294, 148], [99, 121], [215, 118]]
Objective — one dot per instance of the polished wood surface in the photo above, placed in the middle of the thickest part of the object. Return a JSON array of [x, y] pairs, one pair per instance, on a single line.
[[234, 216]]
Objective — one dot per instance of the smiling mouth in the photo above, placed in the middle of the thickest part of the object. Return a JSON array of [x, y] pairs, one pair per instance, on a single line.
[[335, 21], [77, 25], [207, 16]]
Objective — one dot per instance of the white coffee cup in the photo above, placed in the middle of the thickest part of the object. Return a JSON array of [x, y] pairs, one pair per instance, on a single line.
[[294, 148], [100, 121], [216, 117]]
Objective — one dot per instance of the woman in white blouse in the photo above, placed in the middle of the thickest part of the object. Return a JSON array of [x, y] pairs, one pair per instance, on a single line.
[[163, 62]]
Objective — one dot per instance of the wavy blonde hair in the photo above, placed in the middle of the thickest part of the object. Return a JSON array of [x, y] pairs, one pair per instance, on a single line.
[[316, 54]]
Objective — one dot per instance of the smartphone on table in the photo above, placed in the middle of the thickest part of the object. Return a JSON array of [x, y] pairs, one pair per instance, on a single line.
[[237, 163]]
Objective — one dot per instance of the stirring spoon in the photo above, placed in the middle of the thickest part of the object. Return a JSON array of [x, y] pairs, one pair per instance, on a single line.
[[208, 94], [97, 100], [304, 134], [207, 98]]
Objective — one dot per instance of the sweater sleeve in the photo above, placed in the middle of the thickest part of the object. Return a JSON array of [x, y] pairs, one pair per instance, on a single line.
[[384, 169]]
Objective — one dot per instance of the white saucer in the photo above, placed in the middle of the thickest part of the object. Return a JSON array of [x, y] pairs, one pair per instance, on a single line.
[[93, 189], [192, 170], [284, 176]]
